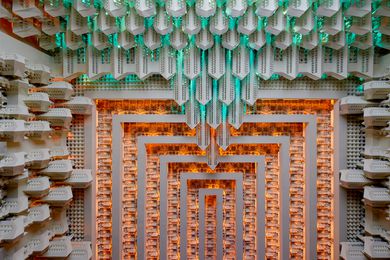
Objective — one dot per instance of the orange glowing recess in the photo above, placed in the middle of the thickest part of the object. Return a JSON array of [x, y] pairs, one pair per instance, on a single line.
[[106, 109]]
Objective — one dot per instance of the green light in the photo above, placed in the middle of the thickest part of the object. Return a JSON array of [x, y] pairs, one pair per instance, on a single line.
[[360, 88], [215, 88], [232, 23], [224, 112], [98, 4], [92, 22], [113, 39], [179, 59], [165, 40], [251, 60], [89, 39], [120, 22], [204, 22], [265, 22], [314, 5], [132, 79], [148, 21], [220, 3], [183, 109], [229, 58], [155, 55], [244, 39], [192, 85], [191, 39], [324, 38], [177, 22], [347, 22], [377, 35], [67, 3], [60, 40], [374, 6], [160, 2], [217, 39], [260, 23], [202, 112], [190, 2], [139, 40], [203, 58], [351, 37], [269, 38], [317, 23], [290, 24], [378, 39], [86, 2], [297, 39], [237, 83]]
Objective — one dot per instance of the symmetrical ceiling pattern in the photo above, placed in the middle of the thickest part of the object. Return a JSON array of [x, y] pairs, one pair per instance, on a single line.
[[216, 172], [213, 52], [151, 188]]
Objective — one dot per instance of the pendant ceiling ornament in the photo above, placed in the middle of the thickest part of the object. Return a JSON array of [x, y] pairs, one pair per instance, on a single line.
[[212, 51]]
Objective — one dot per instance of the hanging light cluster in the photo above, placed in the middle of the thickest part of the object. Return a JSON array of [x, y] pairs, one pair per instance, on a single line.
[[212, 51]]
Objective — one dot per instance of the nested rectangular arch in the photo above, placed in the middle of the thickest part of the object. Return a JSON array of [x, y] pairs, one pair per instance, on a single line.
[[310, 166], [260, 182], [238, 179], [338, 143], [219, 219], [142, 141]]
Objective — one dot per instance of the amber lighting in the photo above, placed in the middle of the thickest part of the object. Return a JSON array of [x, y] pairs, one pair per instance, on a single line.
[[106, 109]]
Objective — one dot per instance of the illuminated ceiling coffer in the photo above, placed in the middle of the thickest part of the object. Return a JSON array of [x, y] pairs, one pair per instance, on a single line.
[[194, 129], [269, 193]]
